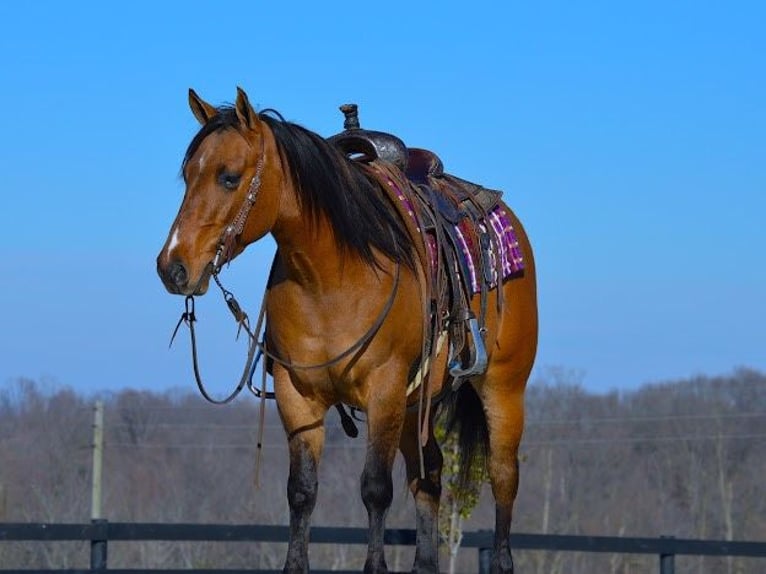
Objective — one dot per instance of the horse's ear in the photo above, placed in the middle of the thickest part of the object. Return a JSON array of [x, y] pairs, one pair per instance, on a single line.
[[245, 112], [200, 108]]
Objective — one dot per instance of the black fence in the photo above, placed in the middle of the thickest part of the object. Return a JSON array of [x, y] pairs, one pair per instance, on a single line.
[[100, 532]]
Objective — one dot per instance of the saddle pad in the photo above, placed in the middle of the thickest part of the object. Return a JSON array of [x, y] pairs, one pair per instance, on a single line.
[[504, 240], [498, 223]]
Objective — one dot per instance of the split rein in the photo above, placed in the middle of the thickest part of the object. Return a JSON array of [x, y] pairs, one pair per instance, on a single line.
[[254, 352]]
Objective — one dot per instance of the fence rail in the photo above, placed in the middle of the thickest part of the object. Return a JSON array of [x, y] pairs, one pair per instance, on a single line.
[[100, 532]]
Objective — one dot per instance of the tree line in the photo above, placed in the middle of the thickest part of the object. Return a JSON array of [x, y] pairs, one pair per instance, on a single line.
[[684, 458]]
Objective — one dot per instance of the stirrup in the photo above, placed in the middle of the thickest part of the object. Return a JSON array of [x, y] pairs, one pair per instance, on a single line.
[[478, 363]]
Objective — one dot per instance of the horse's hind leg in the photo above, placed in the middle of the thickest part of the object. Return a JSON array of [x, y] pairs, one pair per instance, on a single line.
[[426, 492], [503, 400], [304, 424]]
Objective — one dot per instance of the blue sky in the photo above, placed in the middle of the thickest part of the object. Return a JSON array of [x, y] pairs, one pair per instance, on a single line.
[[629, 137]]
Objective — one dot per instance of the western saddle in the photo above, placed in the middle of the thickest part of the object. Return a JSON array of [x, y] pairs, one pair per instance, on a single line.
[[445, 206]]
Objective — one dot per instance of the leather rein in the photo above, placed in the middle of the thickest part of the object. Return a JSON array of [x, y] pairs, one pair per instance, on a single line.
[[256, 347]]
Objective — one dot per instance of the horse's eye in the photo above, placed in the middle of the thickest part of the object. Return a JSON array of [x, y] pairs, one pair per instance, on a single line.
[[229, 181]]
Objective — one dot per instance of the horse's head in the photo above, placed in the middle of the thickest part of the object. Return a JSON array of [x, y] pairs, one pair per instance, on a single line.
[[231, 196]]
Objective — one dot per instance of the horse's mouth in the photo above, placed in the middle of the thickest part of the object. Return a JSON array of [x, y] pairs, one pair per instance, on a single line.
[[202, 284]]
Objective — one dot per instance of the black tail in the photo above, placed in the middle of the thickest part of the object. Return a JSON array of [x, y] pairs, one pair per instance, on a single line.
[[465, 417]]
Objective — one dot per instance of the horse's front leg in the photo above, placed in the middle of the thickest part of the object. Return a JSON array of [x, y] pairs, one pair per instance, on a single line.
[[385, 416], [304, 424]]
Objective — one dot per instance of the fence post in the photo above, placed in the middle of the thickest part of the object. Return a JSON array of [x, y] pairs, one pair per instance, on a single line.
[[98, 456], [667, 564], [667, 560], [485, 560], [98, 542]]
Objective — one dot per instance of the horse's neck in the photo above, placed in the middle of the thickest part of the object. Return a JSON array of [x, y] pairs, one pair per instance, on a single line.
[[308, 253]]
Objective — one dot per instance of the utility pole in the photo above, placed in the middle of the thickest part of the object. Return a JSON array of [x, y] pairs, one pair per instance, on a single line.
[[98, 453]]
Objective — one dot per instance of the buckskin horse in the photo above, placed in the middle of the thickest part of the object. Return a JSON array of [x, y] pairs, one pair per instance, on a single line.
[[363, 304]]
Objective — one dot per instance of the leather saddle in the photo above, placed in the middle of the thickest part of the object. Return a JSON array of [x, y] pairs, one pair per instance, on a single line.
[[446, 202]]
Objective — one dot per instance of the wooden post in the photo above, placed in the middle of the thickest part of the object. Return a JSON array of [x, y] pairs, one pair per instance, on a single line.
[[485, 560], [667, 563], [98, 544], [98, 452], [667, 559]]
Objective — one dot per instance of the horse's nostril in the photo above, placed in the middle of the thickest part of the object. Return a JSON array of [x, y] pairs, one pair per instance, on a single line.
[[177, 273]]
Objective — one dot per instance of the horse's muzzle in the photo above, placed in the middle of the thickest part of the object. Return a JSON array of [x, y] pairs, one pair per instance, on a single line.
[[174, 276]]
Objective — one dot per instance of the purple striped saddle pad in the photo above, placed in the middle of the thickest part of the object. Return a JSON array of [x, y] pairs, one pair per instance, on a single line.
[[504, 246], [482, 238]]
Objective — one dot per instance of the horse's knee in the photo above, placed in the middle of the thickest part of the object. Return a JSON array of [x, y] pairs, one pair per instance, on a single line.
[[377, 487], [301, 494], [302, 484]]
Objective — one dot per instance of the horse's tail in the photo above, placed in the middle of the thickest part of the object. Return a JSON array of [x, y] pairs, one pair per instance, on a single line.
[[465, 417]]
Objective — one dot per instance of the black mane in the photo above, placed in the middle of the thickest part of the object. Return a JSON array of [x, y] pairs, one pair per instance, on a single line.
[[328, 183]]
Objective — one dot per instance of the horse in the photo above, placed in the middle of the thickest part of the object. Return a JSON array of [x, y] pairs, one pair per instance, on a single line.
[[344, 310]]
